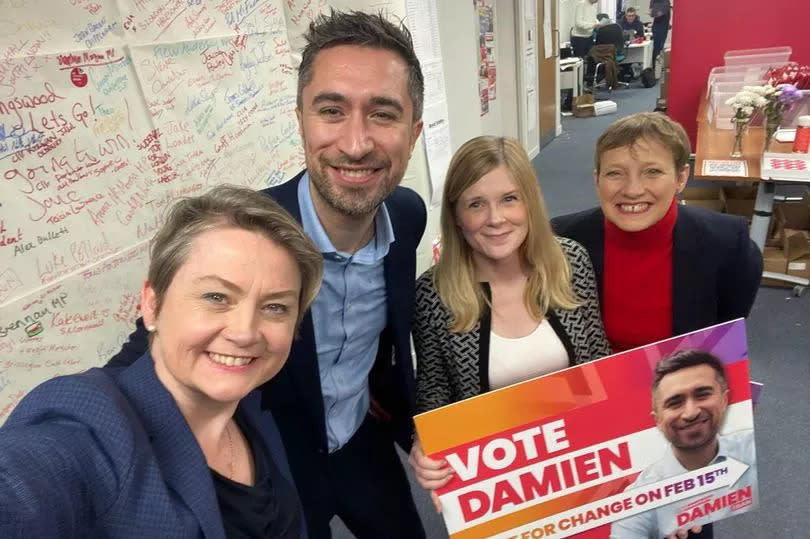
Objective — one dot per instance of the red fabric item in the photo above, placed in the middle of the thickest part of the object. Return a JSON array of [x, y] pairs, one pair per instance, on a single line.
[[637, 285]]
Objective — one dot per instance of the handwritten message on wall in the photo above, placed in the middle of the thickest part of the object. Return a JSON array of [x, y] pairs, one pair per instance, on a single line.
[[108, 112]]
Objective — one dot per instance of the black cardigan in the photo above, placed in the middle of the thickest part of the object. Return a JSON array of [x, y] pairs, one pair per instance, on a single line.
[[452, 366]]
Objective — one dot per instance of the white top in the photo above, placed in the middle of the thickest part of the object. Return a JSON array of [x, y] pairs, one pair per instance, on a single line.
[[515, 360], [584, 19], [661, 522]]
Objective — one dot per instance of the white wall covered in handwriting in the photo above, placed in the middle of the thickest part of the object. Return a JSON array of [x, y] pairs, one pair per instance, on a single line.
[[108, 112]]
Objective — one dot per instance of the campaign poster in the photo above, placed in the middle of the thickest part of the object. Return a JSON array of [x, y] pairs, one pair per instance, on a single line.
[[639, 444]]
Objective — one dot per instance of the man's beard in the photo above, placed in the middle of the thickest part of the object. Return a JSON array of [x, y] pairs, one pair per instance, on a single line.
[[685, 442], [352, 202]]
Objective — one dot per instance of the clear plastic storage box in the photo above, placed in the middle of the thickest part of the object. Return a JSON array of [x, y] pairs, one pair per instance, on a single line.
[[769, 56]]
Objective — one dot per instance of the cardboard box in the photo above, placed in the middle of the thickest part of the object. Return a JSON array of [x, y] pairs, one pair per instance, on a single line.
[[740, 200], [799, 267], [744, 208], [795, 215], [774, 260], [776, 225], [774, 237], [788, 247], [792, 227], [796, 243], [746, 192], [583, 106], [710, 198]]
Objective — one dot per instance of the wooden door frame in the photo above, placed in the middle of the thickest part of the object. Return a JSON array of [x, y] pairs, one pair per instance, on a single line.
[[548, 76]]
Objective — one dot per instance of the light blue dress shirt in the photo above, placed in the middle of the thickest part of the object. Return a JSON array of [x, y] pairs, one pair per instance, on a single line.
[[348, 315]]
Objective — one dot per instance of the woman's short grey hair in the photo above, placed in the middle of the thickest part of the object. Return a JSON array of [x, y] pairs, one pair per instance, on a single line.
[[231, 206]]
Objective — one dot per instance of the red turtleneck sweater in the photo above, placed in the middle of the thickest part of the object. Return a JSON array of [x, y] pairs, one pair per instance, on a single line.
[[637, 285]]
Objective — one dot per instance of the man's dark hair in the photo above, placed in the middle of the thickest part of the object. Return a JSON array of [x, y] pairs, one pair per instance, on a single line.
[[364, 30], [688, 358], [629, 10]]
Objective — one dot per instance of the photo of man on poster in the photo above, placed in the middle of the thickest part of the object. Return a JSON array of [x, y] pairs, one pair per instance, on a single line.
[[690, 397]]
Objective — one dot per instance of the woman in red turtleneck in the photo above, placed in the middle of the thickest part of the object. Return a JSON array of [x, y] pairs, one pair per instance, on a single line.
[[637, 188], [662, 269]]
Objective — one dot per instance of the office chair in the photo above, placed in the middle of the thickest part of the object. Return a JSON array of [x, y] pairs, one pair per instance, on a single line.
[[610, 35], [605, 64]]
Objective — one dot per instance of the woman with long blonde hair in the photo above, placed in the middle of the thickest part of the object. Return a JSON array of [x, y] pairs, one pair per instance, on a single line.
[[507, 300]]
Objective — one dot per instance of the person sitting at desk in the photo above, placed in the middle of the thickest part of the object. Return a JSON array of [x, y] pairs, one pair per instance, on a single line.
[[630, 21], [176, 445], [608, 50], [610, 33]]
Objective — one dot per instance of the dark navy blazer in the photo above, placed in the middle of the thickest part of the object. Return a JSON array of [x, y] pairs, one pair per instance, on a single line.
[[107, 453], [716, 268], [294, 394]]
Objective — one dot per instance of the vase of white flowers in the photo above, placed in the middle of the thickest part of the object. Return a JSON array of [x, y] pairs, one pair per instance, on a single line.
[[778, 100], [740, 128], [744, 104]]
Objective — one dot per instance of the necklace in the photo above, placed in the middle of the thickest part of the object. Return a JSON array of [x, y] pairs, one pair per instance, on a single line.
[[230, 450]]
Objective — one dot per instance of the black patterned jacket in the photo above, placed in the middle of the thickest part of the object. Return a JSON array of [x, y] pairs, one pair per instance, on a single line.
[[455, 366]]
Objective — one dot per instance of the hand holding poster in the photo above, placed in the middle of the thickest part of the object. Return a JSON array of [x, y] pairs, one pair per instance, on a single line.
[[580, 450]]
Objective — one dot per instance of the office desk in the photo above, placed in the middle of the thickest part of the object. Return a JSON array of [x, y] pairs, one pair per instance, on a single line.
[[571, 73], [638, 53], [713, 143]]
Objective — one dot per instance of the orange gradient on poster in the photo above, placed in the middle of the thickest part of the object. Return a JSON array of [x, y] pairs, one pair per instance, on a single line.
[[514, 406]]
